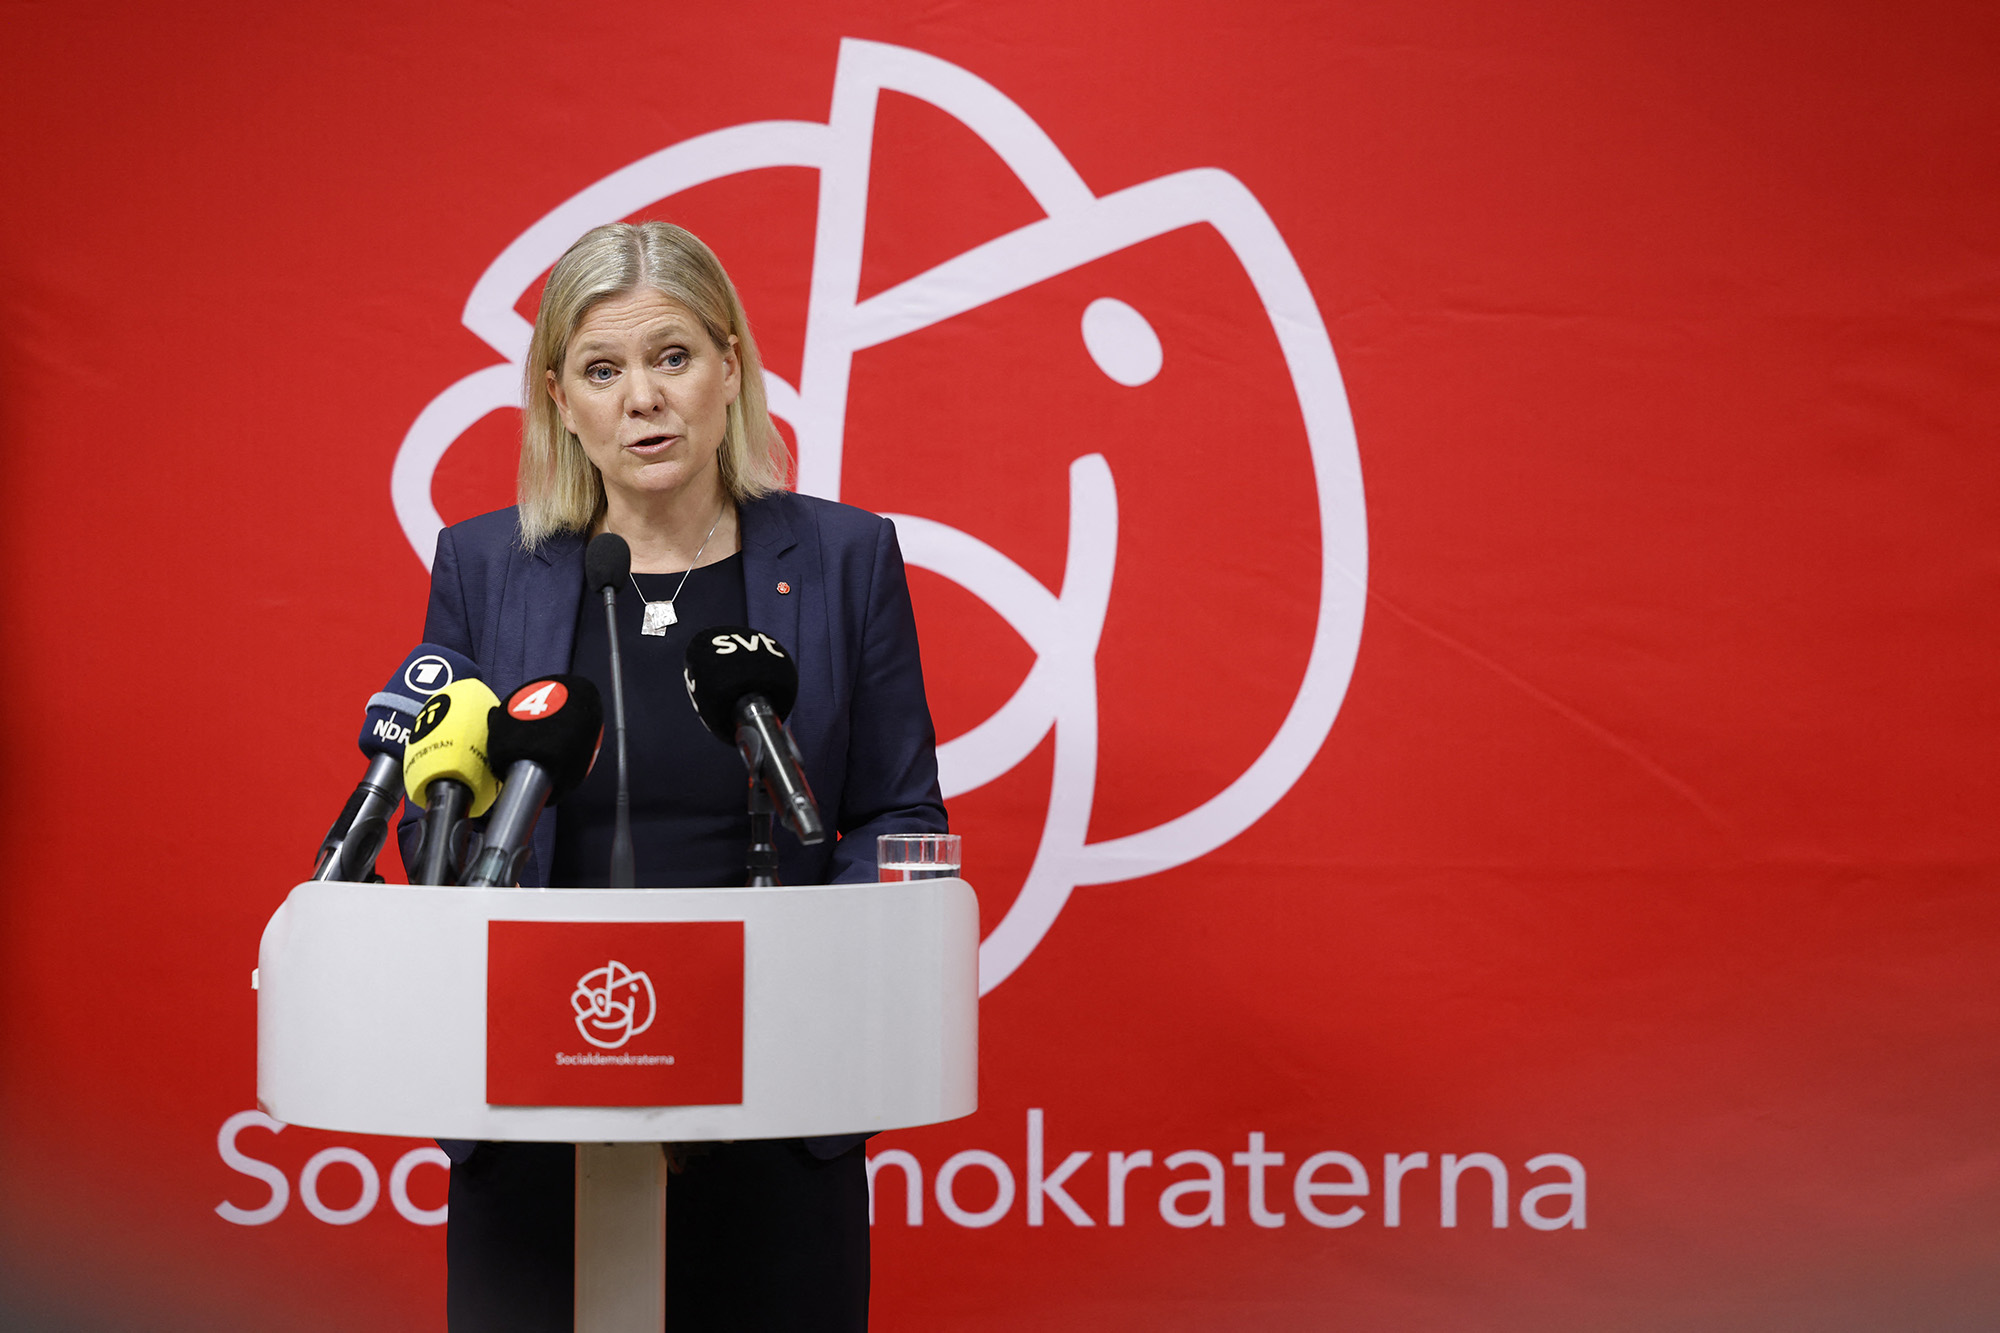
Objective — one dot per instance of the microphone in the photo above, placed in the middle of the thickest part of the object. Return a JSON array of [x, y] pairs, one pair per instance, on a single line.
[[742, 682], [607, 562], [447, 773], [350, 847], [545, 739]]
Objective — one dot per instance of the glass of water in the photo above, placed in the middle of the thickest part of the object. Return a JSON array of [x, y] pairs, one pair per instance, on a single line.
[[900, 856]]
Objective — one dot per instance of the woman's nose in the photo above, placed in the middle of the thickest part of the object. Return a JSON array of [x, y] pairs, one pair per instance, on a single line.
[[644, 395]]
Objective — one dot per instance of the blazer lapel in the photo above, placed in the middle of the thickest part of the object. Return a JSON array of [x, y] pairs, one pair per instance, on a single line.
[[551, 590], [546, 596], [775, 581]]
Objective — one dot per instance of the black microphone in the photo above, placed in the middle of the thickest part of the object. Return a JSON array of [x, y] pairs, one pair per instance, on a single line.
[[607, 562], [543, 740], [742, 682], [350, 847]]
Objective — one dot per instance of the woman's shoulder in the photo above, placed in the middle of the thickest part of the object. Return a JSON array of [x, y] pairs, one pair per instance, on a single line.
[[835, 522], [496, 531], [495, 539]]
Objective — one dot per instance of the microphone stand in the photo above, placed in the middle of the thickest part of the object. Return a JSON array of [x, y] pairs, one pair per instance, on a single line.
[[351, 845], [622, 873], [446, 837], [762, 860]]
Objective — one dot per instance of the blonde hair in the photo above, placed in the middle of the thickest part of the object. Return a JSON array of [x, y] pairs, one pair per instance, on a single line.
[[559, 488]]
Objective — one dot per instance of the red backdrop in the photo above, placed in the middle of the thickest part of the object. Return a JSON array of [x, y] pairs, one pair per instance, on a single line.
[[1651, 846]]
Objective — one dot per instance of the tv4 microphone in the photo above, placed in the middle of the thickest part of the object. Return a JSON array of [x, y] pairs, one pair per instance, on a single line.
[[446, 771], [743, 683], [544, 739], [350, 847], [607, 563]]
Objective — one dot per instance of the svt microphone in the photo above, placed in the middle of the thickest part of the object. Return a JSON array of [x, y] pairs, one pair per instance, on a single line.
[[349, 850], [742, 682], [544, 739], [446, 772], [607, 563]]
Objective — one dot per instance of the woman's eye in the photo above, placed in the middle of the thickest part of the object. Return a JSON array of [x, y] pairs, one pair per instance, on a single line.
[[598, 374], [674, 359]]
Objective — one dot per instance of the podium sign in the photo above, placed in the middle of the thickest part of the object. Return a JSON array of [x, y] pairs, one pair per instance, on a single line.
[[787, 1012], [614, 1013]]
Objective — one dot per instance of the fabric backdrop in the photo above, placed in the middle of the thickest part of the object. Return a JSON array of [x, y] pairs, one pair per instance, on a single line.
[[1455, 550]]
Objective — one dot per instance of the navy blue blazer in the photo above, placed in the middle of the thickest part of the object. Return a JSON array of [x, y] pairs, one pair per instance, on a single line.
[[861, 720]]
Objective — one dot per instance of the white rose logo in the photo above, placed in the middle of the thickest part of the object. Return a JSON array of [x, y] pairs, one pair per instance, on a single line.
[[1061, 626], [613, 1005]]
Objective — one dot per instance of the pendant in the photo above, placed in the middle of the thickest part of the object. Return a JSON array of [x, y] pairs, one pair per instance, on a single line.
[[659, 615]]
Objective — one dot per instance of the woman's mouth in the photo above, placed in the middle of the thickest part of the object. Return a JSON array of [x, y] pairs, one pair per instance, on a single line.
[[651, 445]]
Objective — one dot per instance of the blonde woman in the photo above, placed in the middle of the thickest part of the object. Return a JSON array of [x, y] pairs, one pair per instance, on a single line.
[[646, 417]]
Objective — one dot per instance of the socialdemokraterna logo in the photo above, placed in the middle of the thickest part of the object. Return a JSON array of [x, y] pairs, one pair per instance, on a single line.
[[1062, 625], [613, 1005]]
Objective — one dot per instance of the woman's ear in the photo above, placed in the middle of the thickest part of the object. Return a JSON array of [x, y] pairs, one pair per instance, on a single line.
[[735, 364], [561, 400]]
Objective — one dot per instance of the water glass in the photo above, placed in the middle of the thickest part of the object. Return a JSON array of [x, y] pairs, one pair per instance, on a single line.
[[901, 856]]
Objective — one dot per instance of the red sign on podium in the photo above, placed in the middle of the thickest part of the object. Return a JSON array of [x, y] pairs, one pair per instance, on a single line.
[[614, 1013]]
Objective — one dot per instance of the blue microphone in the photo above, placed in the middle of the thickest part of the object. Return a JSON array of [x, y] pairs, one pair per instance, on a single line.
[[349, 850]]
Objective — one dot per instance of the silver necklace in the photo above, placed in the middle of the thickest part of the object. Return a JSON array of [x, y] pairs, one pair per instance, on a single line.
[[659, 615]]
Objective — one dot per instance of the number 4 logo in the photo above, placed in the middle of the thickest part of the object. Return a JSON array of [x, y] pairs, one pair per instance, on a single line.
[[537, 697]]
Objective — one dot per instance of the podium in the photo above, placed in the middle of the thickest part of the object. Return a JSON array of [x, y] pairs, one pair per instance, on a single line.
[[857, 1005]]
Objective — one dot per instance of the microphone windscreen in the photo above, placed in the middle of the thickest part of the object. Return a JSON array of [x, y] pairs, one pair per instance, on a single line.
[[449, 741], [726, 662], [385, 727], [555, 722], [607, 560]]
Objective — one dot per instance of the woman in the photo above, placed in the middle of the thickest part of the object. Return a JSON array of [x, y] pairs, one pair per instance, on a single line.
[[645, 417]]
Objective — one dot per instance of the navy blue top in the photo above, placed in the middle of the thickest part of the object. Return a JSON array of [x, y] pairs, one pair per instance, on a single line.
[[689, 790], [824, 579]]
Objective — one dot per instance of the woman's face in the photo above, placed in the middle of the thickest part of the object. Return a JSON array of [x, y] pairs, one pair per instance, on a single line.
[[647, 392]]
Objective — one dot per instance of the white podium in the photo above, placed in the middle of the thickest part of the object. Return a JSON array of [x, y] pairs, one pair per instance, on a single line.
[[859, 1012]]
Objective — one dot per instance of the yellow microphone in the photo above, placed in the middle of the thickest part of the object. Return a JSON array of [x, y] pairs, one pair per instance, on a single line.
[[446, 771]]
